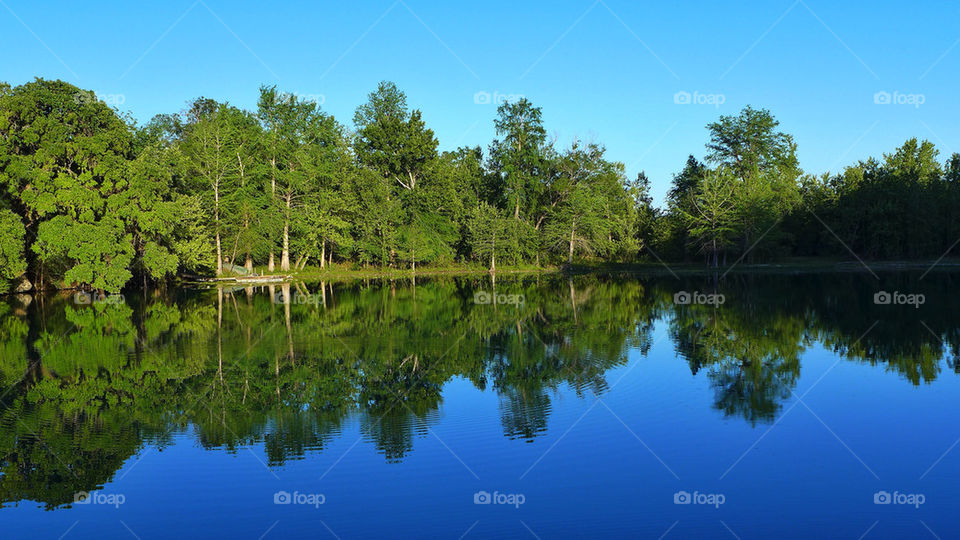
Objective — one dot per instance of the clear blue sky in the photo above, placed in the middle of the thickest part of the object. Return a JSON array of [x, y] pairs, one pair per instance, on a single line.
[[607, 70]]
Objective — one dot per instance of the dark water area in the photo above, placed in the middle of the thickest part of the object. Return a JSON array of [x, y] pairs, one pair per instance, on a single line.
[[753, 406]]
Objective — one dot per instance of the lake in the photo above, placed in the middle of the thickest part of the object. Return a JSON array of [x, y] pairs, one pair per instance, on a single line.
[[759, 405]]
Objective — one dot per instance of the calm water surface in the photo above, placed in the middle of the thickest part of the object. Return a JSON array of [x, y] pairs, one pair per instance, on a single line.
[[533, 407]]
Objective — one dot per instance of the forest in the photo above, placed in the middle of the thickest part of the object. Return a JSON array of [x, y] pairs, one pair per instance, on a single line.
[[91, 199]]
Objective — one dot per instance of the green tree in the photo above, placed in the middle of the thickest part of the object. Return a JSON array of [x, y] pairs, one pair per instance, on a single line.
[[712, 215], [64, 155], [391, 139], [517, 158], [765, 162], [489, 233], [13, 263]]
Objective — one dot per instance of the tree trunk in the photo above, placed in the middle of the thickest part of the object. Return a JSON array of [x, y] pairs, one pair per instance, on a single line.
[[248, 264], [573, 227], [273, 196], [323, 254], [285, 256], [216, 222], [219, 255]]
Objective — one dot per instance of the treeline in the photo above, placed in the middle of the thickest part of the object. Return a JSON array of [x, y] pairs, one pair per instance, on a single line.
[[750, 200], [91, 199]]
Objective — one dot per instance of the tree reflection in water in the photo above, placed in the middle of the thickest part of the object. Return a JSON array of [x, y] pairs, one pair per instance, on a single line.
[[85, 387]]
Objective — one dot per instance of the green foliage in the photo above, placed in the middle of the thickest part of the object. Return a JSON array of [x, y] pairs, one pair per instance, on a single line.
[[490, 235], [391, 139], [91, 200], [711, 219], [518, 158], [12, 261]]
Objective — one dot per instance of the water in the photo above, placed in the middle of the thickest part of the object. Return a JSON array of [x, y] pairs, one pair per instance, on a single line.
[[586, 407]]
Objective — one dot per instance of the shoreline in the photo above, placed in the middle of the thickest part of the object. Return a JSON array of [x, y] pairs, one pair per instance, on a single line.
[[651, 269]]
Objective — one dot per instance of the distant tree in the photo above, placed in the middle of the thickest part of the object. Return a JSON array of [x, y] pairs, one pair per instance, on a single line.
[[296, 134], [685, 182]]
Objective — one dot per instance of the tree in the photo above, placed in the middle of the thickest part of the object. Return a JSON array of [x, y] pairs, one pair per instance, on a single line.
[[590, 208], [750, 144], [489, 233], [645, 222], [149, 209], [64, 155], [765, 162], [392, 140], [327, 204], [518, 157], [212, 144], [712, 218], [295, 128], [13, 263], [675, 240]]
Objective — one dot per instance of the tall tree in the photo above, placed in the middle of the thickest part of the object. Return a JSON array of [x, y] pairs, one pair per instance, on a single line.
[[518, 156], [765, 162], [212, 142], [392, 139], [293, 127]]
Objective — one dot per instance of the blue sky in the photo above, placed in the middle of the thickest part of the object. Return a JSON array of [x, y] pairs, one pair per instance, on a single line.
[[607, 70]]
